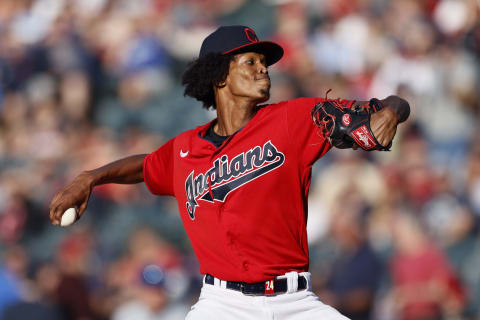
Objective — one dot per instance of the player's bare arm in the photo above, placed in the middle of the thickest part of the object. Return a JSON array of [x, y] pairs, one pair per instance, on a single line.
[[124, 171]]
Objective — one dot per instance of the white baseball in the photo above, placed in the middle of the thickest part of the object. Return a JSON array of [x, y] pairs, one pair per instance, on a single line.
[[68, 217]]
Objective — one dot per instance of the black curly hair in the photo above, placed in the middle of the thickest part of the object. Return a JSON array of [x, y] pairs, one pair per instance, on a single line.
[[203, 74]]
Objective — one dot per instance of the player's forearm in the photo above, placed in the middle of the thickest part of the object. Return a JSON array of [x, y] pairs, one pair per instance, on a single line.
[[399, 105], [124, 171]]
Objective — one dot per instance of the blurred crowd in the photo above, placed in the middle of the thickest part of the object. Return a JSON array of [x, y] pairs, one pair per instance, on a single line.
[[84, 82]]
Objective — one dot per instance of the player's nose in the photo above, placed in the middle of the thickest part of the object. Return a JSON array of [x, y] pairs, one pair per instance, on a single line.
[[262, 69]]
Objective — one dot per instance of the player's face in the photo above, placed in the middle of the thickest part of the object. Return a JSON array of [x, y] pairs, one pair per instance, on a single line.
[[248, 77]]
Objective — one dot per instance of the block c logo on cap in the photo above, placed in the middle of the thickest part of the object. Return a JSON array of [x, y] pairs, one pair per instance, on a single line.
[[251, 35]]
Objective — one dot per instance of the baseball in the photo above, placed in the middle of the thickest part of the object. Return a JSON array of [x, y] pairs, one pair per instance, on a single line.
[[68, 217]]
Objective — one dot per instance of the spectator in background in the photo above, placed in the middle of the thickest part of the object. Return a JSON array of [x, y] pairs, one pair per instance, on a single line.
[[149, 298], [425, 286], [472, 183], [37, 311], [356, 271], [10, 279], [41, 305], [461, 243], [147, 282], [73, 293], [348, 172]]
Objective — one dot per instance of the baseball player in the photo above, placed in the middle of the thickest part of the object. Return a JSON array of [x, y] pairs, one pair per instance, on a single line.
[[242, 180]]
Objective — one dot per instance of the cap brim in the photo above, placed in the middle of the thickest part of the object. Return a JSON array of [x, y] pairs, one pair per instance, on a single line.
[[272, 51]]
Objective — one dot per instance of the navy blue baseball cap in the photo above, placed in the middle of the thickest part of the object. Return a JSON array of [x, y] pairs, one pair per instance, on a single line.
[[239, 39]]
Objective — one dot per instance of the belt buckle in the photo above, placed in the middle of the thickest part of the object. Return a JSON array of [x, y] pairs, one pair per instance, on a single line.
[[244, 292], [259, 288]]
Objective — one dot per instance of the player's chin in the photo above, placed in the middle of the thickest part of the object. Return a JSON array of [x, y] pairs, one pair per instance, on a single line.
[[264, 95]]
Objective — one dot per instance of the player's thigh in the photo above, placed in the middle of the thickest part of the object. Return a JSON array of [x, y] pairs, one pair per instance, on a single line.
[[225, 304], [304, 306], [200, 313]]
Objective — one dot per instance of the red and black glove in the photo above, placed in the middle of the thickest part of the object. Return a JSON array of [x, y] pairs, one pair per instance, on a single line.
[[345, 127]]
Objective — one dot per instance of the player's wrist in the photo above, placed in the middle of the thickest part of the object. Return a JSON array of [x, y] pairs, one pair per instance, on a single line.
[[375, 105], [91, 178]]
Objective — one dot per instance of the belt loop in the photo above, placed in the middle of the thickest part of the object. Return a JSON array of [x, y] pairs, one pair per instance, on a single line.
[[292, 281], [216, 282], [307, 276], [223, 284]]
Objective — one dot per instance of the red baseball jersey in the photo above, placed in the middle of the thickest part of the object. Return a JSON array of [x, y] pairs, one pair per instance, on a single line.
[[244, 204]]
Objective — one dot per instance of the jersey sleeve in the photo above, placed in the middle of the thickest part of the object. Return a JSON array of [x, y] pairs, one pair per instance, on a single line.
[[158, 170], [310, 145]]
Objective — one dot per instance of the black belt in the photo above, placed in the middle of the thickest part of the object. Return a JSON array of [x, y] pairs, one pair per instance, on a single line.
[[260, 288]]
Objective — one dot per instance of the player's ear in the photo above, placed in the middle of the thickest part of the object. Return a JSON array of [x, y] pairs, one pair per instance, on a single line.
[[220, 84]]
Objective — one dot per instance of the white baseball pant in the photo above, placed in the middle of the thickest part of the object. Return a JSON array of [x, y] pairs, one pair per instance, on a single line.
[[218, 302]]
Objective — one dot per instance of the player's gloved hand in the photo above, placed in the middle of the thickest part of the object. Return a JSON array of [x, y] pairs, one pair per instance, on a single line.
[[76, 195], [349, 128]]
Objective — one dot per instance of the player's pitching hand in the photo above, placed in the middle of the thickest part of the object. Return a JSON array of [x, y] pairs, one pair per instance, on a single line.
[[76, 194], [384, 125]]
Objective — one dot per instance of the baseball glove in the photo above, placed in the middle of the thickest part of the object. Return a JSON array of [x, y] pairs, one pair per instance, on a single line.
[[345, 127]]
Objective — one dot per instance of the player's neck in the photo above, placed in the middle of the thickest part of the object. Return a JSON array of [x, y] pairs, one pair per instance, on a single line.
[[232, 115]]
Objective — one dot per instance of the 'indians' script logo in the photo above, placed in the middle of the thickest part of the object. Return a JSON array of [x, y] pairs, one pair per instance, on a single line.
[[226, 176]]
